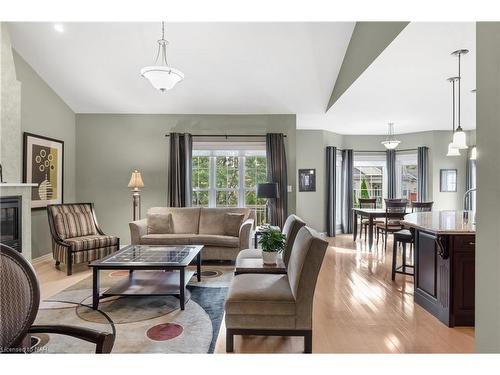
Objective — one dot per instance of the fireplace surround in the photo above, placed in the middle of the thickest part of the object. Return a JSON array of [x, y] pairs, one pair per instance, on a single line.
[[11, 221]]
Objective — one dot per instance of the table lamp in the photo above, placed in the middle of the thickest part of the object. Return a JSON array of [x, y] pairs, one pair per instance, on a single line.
[[267, 190], [135, 184]]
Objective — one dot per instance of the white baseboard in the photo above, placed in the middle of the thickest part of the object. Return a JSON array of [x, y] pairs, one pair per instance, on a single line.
[[43, 258]]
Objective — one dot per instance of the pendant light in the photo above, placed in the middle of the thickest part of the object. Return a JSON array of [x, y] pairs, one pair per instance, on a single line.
[[473, 153], [162, 77], [459, 138], [452, 150], [390, 142]]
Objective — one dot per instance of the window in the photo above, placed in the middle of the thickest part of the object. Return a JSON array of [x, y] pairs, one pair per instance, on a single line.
[[227, 174], [369, 177], [406, 175]]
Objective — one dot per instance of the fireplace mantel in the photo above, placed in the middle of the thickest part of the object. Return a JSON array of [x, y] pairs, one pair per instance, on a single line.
[[16, 184]]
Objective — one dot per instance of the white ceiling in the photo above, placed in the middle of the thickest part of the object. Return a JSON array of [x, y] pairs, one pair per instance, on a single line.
[[229, 67], [407, 85]]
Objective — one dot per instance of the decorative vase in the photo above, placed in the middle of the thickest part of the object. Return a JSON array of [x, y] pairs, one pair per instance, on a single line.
[[269, 257]]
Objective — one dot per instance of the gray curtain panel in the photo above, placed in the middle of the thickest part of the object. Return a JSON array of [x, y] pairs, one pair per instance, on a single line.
[[277, 172], [391, 173], [423, 174], [347, 190], [331, 191], [179, 170], [470, 182]]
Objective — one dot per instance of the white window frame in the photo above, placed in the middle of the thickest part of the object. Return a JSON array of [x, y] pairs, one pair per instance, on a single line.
[[404, 158], [378, 160], [239, 149]]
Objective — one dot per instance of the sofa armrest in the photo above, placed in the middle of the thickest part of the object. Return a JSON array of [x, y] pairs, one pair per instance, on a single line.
[[138, 229], [246, 234]]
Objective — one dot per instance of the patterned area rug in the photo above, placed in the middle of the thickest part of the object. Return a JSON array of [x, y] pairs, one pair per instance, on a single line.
[[141, 324]]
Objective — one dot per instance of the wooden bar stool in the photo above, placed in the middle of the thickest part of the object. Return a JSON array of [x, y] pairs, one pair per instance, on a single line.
[[404, 237]]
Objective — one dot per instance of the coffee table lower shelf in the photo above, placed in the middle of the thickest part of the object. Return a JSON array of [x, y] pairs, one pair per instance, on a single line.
[[150, 283]]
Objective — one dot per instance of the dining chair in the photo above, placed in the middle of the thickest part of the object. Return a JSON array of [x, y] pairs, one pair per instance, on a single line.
[[394, 213], [366, 203], [404, 237]]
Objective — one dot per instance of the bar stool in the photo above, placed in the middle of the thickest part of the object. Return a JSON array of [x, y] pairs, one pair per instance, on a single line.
[[404, 236]]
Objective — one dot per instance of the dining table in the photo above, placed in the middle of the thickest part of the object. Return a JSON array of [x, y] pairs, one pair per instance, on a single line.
[[370, 214]]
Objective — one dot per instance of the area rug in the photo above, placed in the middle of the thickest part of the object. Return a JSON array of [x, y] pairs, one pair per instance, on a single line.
[[151, 324]]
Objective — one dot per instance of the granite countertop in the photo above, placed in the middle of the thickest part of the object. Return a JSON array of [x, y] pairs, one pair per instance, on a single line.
[[441, 222]]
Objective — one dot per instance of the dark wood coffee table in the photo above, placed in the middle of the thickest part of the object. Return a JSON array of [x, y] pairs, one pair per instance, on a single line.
[[170, 262]]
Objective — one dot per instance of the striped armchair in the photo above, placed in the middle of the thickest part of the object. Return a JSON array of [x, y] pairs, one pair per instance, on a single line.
[[76, 236]]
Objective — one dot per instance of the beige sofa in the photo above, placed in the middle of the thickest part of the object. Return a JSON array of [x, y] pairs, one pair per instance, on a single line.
[[222, 231]]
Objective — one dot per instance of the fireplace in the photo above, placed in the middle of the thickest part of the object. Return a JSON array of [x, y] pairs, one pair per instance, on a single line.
[[10, 222]]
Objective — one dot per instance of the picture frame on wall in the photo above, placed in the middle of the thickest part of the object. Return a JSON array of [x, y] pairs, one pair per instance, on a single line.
[[447, 180], [307, 180], [43, 165]]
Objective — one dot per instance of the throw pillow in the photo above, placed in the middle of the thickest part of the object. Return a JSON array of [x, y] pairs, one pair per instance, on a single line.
[[232, 224], [159, 223]]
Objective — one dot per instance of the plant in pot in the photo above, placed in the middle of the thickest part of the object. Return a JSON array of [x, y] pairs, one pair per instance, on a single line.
[[272, 242]]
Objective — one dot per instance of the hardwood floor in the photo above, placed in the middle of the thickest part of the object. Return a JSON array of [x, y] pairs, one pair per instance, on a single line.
[[357, 309]]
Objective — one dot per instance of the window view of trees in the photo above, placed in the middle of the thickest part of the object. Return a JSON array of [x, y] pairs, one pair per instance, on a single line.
[[229, 179]]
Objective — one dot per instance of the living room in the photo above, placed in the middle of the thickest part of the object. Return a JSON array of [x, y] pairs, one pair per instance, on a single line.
[[176, 186]]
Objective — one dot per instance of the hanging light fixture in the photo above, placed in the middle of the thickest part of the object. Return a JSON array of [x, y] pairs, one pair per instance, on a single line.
[[459, 138], [473, 153], [163, 77], [390, 142], [452, 149]]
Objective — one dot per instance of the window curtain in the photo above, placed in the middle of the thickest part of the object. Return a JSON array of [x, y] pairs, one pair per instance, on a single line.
[[277, 172], [179, 170], [391, 173], [470, 182], [331, 184], [423, 174], [347, 190]]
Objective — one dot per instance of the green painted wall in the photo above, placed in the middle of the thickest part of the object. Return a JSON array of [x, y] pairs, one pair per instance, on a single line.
[[488, 182], [110, 146], [44, 112]]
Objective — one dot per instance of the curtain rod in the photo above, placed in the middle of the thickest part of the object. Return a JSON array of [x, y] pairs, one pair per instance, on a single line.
[[229, 135], [407, 149]]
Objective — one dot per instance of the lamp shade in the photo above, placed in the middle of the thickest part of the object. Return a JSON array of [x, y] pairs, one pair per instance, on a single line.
[[459, 139], [136, 180], [267, 190], [452, 150], [163, 78]]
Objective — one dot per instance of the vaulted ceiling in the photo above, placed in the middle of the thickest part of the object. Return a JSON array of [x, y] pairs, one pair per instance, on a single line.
[[229, 67]]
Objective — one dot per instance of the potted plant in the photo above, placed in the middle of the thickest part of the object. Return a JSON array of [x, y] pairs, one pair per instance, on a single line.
[[272, 242]]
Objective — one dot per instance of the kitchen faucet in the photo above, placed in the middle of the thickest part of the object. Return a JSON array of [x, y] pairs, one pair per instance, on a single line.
[[466, 213]]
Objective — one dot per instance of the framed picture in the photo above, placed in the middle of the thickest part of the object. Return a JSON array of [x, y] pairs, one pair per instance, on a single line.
[[448, 180], [307, 179], [43, 165]]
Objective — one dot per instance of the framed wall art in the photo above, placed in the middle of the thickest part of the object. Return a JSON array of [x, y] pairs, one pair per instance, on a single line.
[[43, 165], [307, 179]]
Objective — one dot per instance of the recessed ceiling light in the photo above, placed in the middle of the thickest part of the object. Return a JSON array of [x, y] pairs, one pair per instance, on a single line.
[[59, 27]]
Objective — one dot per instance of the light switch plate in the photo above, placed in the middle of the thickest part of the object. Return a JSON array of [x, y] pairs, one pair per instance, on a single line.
[[289, 188]]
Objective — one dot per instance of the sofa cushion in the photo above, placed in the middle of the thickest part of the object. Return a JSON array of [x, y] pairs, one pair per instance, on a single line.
[[159, 223], [74, 224], [212, 219], [215, 240], [253, 294], [184, 219], [166, 239], [232, 224], [91, 242], [249, 254]]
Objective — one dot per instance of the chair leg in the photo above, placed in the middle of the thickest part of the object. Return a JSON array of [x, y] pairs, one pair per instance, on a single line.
[[366, 232], [394, 256], [57, 263], [404, 256], [69, 263], [308, 342], [361, 229], [385, 241], [229, 341]]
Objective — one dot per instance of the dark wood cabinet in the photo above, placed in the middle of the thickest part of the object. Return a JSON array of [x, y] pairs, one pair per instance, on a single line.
[[444, 276]]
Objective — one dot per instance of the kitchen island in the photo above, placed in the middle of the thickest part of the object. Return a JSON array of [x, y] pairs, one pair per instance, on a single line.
[[445, 245]]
